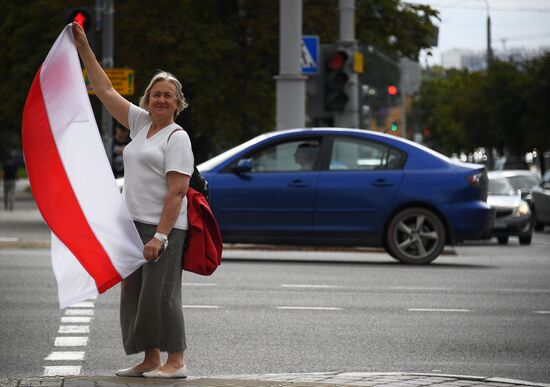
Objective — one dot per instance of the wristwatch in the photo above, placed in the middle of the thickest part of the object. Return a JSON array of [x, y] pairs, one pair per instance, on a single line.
[[161, 237]]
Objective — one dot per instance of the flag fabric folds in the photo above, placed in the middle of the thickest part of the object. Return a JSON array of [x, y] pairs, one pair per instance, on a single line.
[[94, 241]]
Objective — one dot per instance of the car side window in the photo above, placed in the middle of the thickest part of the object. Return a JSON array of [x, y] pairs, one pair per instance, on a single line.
[[297, 155], [355, 154]]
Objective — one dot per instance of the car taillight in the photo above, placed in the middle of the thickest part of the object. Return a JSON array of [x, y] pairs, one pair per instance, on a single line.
[[480, 181]]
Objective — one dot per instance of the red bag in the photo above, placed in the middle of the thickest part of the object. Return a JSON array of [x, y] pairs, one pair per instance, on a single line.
[[203, 251]]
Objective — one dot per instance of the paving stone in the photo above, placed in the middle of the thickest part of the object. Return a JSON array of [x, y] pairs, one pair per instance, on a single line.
[[79, 383], [42, 382], [9, 383]]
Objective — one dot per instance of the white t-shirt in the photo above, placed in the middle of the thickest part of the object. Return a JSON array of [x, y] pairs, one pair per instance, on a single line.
[[146, 163]]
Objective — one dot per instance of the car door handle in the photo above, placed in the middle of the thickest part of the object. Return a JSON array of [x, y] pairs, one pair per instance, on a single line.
[[382, 183], [299, 183]]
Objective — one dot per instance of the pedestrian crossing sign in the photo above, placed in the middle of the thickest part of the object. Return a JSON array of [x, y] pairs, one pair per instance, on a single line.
[[309, 58]]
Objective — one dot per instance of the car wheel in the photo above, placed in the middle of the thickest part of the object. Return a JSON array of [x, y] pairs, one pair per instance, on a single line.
[[415, 236], [525, 239], [502, 240]]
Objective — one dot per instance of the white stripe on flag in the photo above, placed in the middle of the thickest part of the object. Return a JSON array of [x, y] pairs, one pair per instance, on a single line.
[[74, 284]]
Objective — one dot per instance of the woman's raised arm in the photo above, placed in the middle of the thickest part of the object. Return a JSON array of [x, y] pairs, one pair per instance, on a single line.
[[116, 104]]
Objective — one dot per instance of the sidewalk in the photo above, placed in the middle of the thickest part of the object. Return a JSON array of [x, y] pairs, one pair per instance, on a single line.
[[329, 379]]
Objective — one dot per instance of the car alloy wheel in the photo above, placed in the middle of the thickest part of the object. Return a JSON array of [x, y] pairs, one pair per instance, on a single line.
[[416, 236]]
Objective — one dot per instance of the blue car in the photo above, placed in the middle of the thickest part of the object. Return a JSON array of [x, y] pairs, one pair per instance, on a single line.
[[347, 187]]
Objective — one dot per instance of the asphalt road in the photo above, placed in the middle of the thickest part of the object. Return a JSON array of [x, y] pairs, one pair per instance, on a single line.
[[484, 311]]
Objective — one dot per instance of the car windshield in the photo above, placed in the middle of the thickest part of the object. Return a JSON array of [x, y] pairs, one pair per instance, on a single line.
[[500, 187], [523, 181]]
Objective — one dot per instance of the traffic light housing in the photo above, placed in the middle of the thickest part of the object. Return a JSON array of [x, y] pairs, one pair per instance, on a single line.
[[337, 66], [84, 17]]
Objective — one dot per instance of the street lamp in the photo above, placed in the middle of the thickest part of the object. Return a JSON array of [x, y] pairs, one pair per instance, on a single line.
[[489, 50]]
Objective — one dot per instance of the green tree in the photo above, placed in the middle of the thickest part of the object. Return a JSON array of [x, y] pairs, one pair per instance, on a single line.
[[504, 108]]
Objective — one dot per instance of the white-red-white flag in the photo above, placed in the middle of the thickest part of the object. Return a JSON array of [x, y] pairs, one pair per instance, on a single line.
[[94, 241]]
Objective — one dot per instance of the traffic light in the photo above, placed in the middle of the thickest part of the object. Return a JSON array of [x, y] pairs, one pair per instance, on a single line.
[[84, 17], [337, 66], [393, 95], [394, 126]]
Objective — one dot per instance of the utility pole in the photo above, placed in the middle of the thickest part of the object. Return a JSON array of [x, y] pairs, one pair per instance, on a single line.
[[291, 84], [350, 116], [489, 49], [107, 61]]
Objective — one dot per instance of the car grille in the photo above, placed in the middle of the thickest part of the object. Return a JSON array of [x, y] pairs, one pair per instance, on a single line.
[[503, 213]]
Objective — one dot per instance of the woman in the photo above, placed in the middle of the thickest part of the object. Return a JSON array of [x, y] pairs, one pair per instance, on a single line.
[[158, 164]]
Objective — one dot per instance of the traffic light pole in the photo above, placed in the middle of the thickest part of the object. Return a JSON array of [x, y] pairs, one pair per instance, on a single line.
[[107, 61], [349, 118], [291, 84]]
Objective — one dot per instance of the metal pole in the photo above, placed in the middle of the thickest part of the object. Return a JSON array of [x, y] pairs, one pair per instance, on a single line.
[[489, 49], [107, 62], [403, 96], [350, 116], [291, 84]]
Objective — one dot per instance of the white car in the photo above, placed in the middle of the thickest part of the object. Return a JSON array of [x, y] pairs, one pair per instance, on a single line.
[[512, 214]]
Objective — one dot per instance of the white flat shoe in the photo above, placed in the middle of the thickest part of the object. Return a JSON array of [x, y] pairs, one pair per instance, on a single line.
[[132, 372], [181, 373]]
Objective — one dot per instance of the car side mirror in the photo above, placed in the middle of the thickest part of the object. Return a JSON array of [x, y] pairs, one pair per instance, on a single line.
[[243, 166]]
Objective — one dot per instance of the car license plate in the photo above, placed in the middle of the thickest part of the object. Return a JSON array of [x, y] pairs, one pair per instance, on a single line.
[[499, 224]]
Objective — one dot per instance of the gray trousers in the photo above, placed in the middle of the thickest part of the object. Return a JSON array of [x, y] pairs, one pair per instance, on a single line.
[[151, 314]]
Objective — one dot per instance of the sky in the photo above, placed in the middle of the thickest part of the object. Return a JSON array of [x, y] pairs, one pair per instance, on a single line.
[[514, 24]]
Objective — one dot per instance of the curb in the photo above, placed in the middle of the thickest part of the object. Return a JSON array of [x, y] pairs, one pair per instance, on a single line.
[[387, 379]]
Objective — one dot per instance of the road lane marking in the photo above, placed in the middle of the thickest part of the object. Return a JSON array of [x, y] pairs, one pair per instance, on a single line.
[[199, 284], [439, 310], [83, 305], [306, 286], [75, 319], [82, 313], [542, 311], [74, 329], [79, 312], [416, 288], [307, 308], [61, 370], [65, 355], [200, 306], [522, 290], [71, 341]]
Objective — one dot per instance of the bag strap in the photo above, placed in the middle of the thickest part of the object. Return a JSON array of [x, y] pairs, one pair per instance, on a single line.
[[173, 131]]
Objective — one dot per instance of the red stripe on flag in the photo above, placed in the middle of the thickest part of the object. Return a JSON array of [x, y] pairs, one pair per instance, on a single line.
[[54, 194]]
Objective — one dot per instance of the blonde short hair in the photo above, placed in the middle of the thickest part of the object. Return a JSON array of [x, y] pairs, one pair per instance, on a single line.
[[164, 76]]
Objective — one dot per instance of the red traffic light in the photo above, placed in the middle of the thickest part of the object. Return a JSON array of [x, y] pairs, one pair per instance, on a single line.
[[80, 19], [392, 90], [337, 60], [81, 16]]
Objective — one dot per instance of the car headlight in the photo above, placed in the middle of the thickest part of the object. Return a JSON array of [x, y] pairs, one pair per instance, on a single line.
[[523, 209]]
